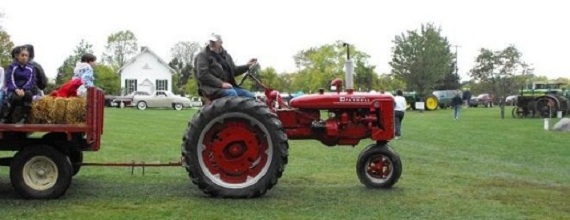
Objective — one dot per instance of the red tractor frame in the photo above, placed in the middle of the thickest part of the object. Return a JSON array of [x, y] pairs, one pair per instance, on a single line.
[[237, 147]]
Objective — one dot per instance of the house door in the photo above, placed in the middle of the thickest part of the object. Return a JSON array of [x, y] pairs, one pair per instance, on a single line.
[[146, 86]]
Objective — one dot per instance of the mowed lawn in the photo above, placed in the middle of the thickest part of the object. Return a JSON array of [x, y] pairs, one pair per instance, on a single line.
[[480, 167]]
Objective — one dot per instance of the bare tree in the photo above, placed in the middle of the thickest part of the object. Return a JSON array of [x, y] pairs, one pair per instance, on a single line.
[[183, 54]]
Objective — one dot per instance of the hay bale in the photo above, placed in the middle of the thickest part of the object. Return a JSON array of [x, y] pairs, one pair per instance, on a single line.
[[57, 110], [76, 110], [41, 110]]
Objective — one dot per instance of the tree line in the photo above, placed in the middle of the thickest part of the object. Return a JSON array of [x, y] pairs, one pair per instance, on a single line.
[[422, 61]]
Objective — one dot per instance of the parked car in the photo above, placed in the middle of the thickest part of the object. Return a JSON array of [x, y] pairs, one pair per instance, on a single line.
[[127, 100], [511, 100], [161, 99], [482, 99], [196, 102]]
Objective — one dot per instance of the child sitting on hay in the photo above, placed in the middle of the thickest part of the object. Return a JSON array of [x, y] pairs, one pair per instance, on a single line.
[[82, 79], [19, 81]]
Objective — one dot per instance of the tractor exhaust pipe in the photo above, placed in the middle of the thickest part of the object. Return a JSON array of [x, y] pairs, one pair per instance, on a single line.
[[348, 70]]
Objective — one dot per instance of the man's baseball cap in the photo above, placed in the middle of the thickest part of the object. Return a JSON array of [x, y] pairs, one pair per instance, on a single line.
[[215, 37]]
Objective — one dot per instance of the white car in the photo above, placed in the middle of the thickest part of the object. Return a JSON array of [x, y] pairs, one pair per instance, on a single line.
[[161, 99], [196, 102], [511, 100]]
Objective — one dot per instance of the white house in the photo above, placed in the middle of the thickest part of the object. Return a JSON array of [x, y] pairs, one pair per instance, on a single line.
[[146, 72]]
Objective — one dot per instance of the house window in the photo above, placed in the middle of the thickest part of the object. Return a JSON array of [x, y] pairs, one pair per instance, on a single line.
[[130, 85], [161, 84]]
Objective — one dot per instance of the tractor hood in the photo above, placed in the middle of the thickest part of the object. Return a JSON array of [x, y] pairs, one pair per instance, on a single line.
[[336, 100]]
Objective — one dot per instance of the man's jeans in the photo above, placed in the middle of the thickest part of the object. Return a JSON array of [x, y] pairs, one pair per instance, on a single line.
[[238, 92], [456, 111]]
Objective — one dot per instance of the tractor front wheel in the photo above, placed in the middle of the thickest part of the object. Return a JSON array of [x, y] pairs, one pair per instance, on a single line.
[[378, 166], [235, 148]]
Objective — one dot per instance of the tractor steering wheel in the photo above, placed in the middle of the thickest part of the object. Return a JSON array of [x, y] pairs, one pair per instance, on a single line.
[[249, 72]]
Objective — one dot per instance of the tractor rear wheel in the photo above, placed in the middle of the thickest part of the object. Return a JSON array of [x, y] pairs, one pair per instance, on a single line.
[[431, 103], [378, 166], [235, 148]]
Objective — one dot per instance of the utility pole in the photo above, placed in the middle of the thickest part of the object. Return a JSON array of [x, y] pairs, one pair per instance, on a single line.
[[456, 60]]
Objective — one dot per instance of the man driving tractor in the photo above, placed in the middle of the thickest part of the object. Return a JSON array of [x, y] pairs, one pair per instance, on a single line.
[[215, 71]]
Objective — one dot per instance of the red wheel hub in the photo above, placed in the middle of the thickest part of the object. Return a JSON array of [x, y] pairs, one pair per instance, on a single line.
[[235, 150], [379, 167]]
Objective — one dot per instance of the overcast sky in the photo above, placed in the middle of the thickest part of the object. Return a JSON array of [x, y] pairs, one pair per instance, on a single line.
[[273, 31]]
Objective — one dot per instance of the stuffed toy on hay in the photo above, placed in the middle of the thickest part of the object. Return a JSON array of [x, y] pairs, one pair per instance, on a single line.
[[58, 110]]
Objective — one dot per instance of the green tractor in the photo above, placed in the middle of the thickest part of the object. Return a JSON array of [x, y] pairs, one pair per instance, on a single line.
[[542, 99], [438, 99]]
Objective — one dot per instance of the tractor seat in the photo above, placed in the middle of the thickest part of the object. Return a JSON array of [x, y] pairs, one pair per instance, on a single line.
[[208, 98]]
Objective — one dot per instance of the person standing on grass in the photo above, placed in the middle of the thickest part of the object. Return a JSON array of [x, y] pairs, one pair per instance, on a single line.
[[467, 97], [457, 102], [399, 111]]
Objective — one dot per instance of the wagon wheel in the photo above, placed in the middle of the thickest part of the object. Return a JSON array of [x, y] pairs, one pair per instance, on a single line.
[[235, 147], [378, 166], [40, 172]]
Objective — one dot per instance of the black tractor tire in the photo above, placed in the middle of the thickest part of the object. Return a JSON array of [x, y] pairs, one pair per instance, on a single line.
[[367, 171], [235, 147], [40, 172]]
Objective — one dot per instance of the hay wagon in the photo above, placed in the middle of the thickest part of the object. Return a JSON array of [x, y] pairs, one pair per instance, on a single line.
[[49, 153]]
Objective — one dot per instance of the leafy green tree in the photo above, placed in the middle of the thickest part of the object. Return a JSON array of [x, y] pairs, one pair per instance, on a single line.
[[498, 71], [318, 66], [388, 82], [65, 71], [6, 46], [120, 47], [107, 79], [50, 87], [422, 58], [191, 87], [365, 79], [450, 81]]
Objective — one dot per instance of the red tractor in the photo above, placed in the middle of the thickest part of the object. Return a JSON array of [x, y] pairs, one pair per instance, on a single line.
[[237, 147]]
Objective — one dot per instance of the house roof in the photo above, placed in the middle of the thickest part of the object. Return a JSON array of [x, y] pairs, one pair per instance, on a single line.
[[143, 51]]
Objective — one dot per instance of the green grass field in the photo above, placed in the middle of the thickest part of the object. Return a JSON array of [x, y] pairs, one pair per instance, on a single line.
[[480, 167]]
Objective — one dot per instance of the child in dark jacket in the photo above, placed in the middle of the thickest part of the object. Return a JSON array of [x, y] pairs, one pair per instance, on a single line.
[[20, 81]]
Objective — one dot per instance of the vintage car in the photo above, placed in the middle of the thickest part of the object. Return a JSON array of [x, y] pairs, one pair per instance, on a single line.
[[127, 100], [482, 99], [196, 102], [161, 99]]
